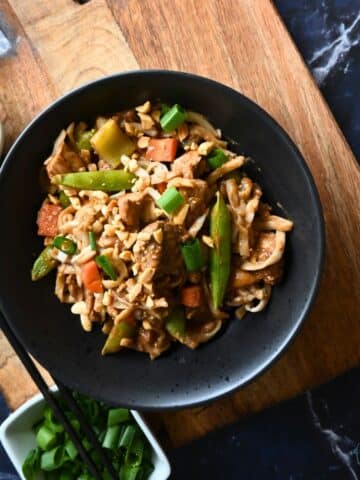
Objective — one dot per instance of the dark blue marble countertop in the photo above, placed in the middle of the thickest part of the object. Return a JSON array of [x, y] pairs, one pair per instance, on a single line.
[[327, 33], [313, 437], [317, 435]]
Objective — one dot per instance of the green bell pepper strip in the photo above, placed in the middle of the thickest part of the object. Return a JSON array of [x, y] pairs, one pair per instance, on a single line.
[[104, 180], [82, 139], [220, 255], [92, 241], [216, 158], [175, 323], [43, 264], [118, 331], [104, 263], [64, 199], [65, 245]]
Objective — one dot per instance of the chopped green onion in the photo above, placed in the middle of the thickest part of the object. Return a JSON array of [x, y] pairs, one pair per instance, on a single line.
[[92, 240], [125, 444], [134, 454], [70, 449], [74, 422], [65, 245], [31, 464], [46, 438], [85, 476], [147, 468], [51, 475], [193, 255], [175, 323], [128, 472], [104, 263], [173, 118], [52, 459], [117, 415], [127, 437], [216, 158], [51, 422], [64, 199], [86, 444], [66, 475], [111, 439], [170, 200], [101, 436]]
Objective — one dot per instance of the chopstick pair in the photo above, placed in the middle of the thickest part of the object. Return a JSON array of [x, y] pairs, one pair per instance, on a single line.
[[52, 401]]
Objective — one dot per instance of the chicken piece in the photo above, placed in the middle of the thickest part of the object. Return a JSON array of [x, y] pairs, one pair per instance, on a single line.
[[63, 159], [130, 206], [197, 198], [165, 258], [172, 263], [189, 165], [264, 246], [147, 252], [152, 342], [137, 208]]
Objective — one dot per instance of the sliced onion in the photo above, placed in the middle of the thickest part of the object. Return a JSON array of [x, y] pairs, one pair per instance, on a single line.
[[195, 117], [198, 224], [227, 167], [277, 253], [274, 222], [262, 303]]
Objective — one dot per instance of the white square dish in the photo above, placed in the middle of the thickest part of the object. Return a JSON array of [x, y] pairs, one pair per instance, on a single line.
[[18, 439]]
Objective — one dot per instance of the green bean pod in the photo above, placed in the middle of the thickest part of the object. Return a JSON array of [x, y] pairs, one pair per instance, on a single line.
[[43, 264], [220, 255], [104, 180]]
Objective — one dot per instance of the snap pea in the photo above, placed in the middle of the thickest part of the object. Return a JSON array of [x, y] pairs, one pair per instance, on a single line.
[[43, 264], [220, 255], [104, 180]]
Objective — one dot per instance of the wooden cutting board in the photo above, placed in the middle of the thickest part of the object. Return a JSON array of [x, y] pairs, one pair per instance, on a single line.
[[242, 43]]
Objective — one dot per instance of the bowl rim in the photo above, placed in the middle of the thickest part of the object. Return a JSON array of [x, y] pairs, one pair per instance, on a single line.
[[318, 211]]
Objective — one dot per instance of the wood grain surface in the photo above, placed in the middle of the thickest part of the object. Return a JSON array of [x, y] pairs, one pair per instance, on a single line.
[[241, 43]]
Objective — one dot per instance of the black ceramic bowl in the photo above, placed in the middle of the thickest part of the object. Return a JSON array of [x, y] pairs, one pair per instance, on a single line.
[[181, 377]]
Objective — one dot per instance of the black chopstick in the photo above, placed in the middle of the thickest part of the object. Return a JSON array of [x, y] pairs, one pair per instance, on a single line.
[[86, 427], [53, 403]]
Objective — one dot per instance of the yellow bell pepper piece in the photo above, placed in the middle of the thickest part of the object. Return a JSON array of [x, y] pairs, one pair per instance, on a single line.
[[110, 142]]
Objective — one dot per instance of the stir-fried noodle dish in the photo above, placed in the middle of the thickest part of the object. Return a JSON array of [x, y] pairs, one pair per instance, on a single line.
[[154, 230]]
